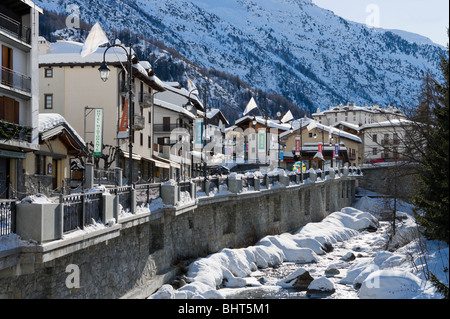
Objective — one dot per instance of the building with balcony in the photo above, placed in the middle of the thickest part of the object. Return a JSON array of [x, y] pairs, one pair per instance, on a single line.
[[388, 141], [359, 115], [70, 85], [301, 143], [173, 125], [19, 90]]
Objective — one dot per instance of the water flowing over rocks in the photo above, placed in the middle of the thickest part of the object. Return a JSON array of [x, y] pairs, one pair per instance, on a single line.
[[236, 268]]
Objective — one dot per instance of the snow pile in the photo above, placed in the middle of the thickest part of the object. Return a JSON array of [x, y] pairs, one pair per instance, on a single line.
[[12, 240], [339, 226], [231, 268], [389, 284], [185, 199], [156, 204], [321, 284], [37, 199]]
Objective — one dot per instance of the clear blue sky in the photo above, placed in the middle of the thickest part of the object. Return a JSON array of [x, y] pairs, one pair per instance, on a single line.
[[429, 18]]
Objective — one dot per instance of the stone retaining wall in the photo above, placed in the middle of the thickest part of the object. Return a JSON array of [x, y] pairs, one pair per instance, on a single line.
[[134, 257]]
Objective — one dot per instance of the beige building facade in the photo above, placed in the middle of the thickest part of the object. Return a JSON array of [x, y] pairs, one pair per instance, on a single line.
[[71, 86], [309, 135]]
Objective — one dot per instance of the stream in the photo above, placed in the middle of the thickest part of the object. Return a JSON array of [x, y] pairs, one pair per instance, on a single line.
[[363, 246]]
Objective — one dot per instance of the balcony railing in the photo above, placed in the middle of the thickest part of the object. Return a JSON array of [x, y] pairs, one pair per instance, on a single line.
[[170, 127], [15, 28], [12, 131], [16, 80]]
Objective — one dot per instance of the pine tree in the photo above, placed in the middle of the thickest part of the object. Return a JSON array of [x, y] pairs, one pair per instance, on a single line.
[[432, 194]]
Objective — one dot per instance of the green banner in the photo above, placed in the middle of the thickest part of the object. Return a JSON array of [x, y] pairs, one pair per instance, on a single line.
[[261, 140], [98, 132]]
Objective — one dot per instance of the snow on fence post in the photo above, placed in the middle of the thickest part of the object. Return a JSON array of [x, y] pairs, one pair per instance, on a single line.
[[331, 172], [234, 183], [39, 221], [169, 193], [345, 171], [257, 183], [283, 178], [312, 175]]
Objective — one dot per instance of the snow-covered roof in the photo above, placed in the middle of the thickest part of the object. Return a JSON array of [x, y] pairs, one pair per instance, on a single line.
[[349, 125], [175, 87], [314, 124], [353, 107], [48, 121], [63, 52], [212, 113], [261, 120], [68, 52], [173, 107], [389, 123]]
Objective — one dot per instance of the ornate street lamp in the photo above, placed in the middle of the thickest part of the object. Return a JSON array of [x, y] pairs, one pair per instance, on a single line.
[[104, 72], [104, 75]]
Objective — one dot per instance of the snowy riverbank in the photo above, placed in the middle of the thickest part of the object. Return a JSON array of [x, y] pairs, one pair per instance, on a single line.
[[344, 256]]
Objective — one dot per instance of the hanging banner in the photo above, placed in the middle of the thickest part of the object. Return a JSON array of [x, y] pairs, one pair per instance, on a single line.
[[320, 148], [198, 133], [336, 151], [123, 128], [98, 132], [281, 156], [297, 145]]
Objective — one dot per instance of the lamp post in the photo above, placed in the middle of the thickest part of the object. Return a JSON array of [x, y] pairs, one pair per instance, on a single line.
[[190, 108], [104, 75]]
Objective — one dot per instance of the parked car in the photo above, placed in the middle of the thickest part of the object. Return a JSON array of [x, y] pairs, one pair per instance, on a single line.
[[217, 170]]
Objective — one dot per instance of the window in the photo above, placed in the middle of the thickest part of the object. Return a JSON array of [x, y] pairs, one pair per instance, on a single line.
[[149, 117], [7, 64], [141, 139], [40, 164], [374, 138], [149, 140], [396, 138], [310, 135], [166, 123], [48, 101], [395, 152], [9, 110], [374, 151], [48, 73]]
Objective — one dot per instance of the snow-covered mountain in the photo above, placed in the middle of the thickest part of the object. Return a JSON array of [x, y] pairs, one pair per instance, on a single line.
[[291, 47]]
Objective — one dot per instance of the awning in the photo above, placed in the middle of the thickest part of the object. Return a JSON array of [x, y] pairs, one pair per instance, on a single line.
[[135, 156], [166, 161], [156, 162]]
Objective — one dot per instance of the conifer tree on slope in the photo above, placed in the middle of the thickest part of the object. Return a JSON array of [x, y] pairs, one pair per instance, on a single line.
[[432, 193]]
